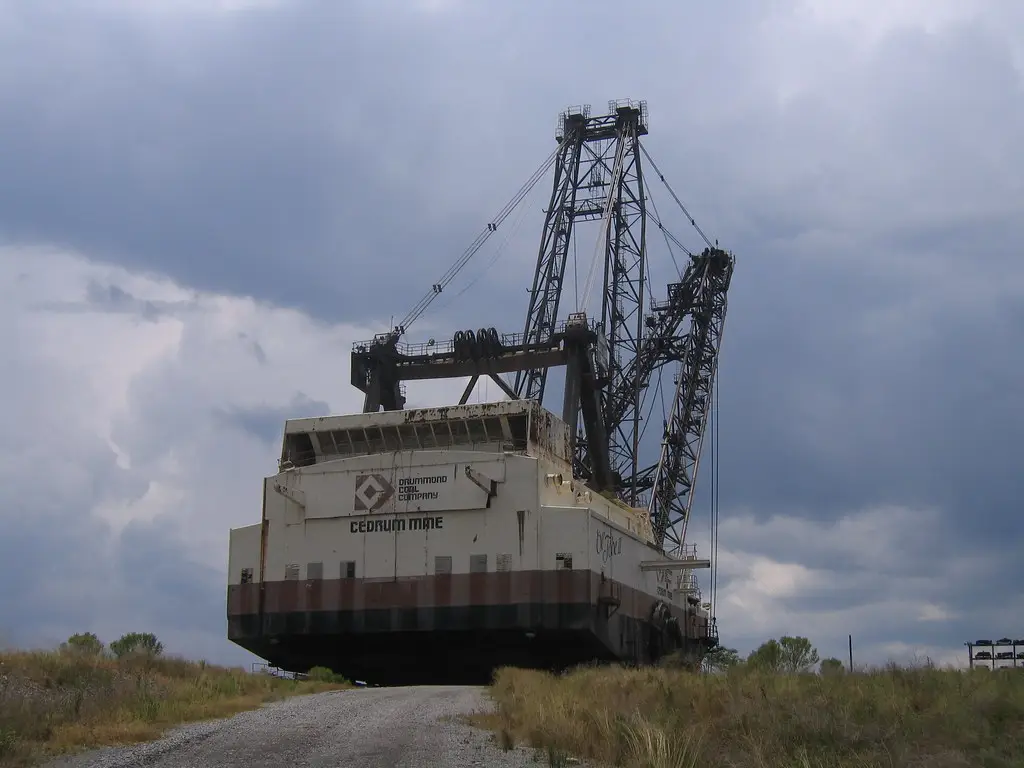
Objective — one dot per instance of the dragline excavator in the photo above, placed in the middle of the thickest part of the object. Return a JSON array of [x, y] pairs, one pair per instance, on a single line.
[[479, 535]]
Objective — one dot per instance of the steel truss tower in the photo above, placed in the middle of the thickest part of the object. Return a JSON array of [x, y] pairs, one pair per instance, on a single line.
[[598, 176]]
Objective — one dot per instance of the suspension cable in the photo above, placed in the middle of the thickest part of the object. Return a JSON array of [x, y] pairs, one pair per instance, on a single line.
[[658, 390], [715, 492], [649, 285], [478, 243], [715, 489], [675, 196], [655, 217], [711, 500], [575, 269], [669, 237], [498, 252]]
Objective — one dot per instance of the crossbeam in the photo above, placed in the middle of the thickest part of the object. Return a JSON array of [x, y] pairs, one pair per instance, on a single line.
[[685, 564]]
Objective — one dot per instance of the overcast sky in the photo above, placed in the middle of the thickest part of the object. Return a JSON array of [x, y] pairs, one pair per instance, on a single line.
[[202, 204]]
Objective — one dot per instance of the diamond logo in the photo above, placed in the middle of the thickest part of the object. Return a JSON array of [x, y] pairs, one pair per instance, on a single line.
[[372, 492]]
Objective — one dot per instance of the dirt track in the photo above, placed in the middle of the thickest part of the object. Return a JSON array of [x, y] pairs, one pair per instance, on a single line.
[[393, 727]]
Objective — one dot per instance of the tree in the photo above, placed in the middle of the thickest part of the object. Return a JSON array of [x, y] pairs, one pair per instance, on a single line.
[[787, 654], [831, 666], [83, 642], [720, 658], [767, 658], [137, 642], [798, 655]]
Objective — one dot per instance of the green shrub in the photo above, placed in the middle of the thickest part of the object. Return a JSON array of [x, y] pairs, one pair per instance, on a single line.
[[83, 642], [137, 643], [325, 675]]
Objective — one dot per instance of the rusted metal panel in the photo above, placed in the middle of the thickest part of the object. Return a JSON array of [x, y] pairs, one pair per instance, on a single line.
[[411, 416], [490, 426], [457, 590], [244, 553]]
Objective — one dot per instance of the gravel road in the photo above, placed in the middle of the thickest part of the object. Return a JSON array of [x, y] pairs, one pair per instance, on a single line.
[[366, 727]]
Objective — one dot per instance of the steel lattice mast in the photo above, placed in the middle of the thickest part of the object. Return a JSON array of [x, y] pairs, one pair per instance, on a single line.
[[609, 364], [622, 308], [598, 175], [556, 235]]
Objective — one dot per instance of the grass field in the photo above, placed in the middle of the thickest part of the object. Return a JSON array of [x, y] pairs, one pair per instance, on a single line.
[[55, 702], [663, 719]]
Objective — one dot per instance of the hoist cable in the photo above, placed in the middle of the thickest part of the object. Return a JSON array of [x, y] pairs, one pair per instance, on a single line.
[[498, 253], [674, 195], [477, 244]]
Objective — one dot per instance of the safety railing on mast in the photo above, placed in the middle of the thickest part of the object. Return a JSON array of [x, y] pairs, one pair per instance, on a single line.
[[582, 109]]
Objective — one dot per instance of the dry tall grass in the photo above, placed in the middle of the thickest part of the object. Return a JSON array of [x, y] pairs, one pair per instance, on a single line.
[[54, 702], [667, 719]]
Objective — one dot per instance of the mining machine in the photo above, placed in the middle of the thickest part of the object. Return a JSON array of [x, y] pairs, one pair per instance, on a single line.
[[403, 545]]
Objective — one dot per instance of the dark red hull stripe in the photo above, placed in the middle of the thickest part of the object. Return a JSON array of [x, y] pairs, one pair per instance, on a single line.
[[495, 589]]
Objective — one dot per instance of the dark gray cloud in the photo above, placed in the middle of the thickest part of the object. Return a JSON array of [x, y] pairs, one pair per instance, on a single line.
[[891, 576], [141, 579], [109, 297], [154, 559], [337, 159], [280, 154], [257, 349], [56, 551]]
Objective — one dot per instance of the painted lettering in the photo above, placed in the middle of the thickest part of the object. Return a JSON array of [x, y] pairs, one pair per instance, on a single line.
[[433, 480], [397, 524], [409, 488], [405, 495], [607, 546]]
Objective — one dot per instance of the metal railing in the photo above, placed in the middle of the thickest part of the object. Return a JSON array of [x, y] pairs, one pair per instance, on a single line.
[[266, 669], [1014, 657], [447, 346], [581, 109]]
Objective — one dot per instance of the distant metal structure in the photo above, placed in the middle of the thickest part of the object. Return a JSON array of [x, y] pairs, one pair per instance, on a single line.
[[598, 175], [992, 655], [263, 668]]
